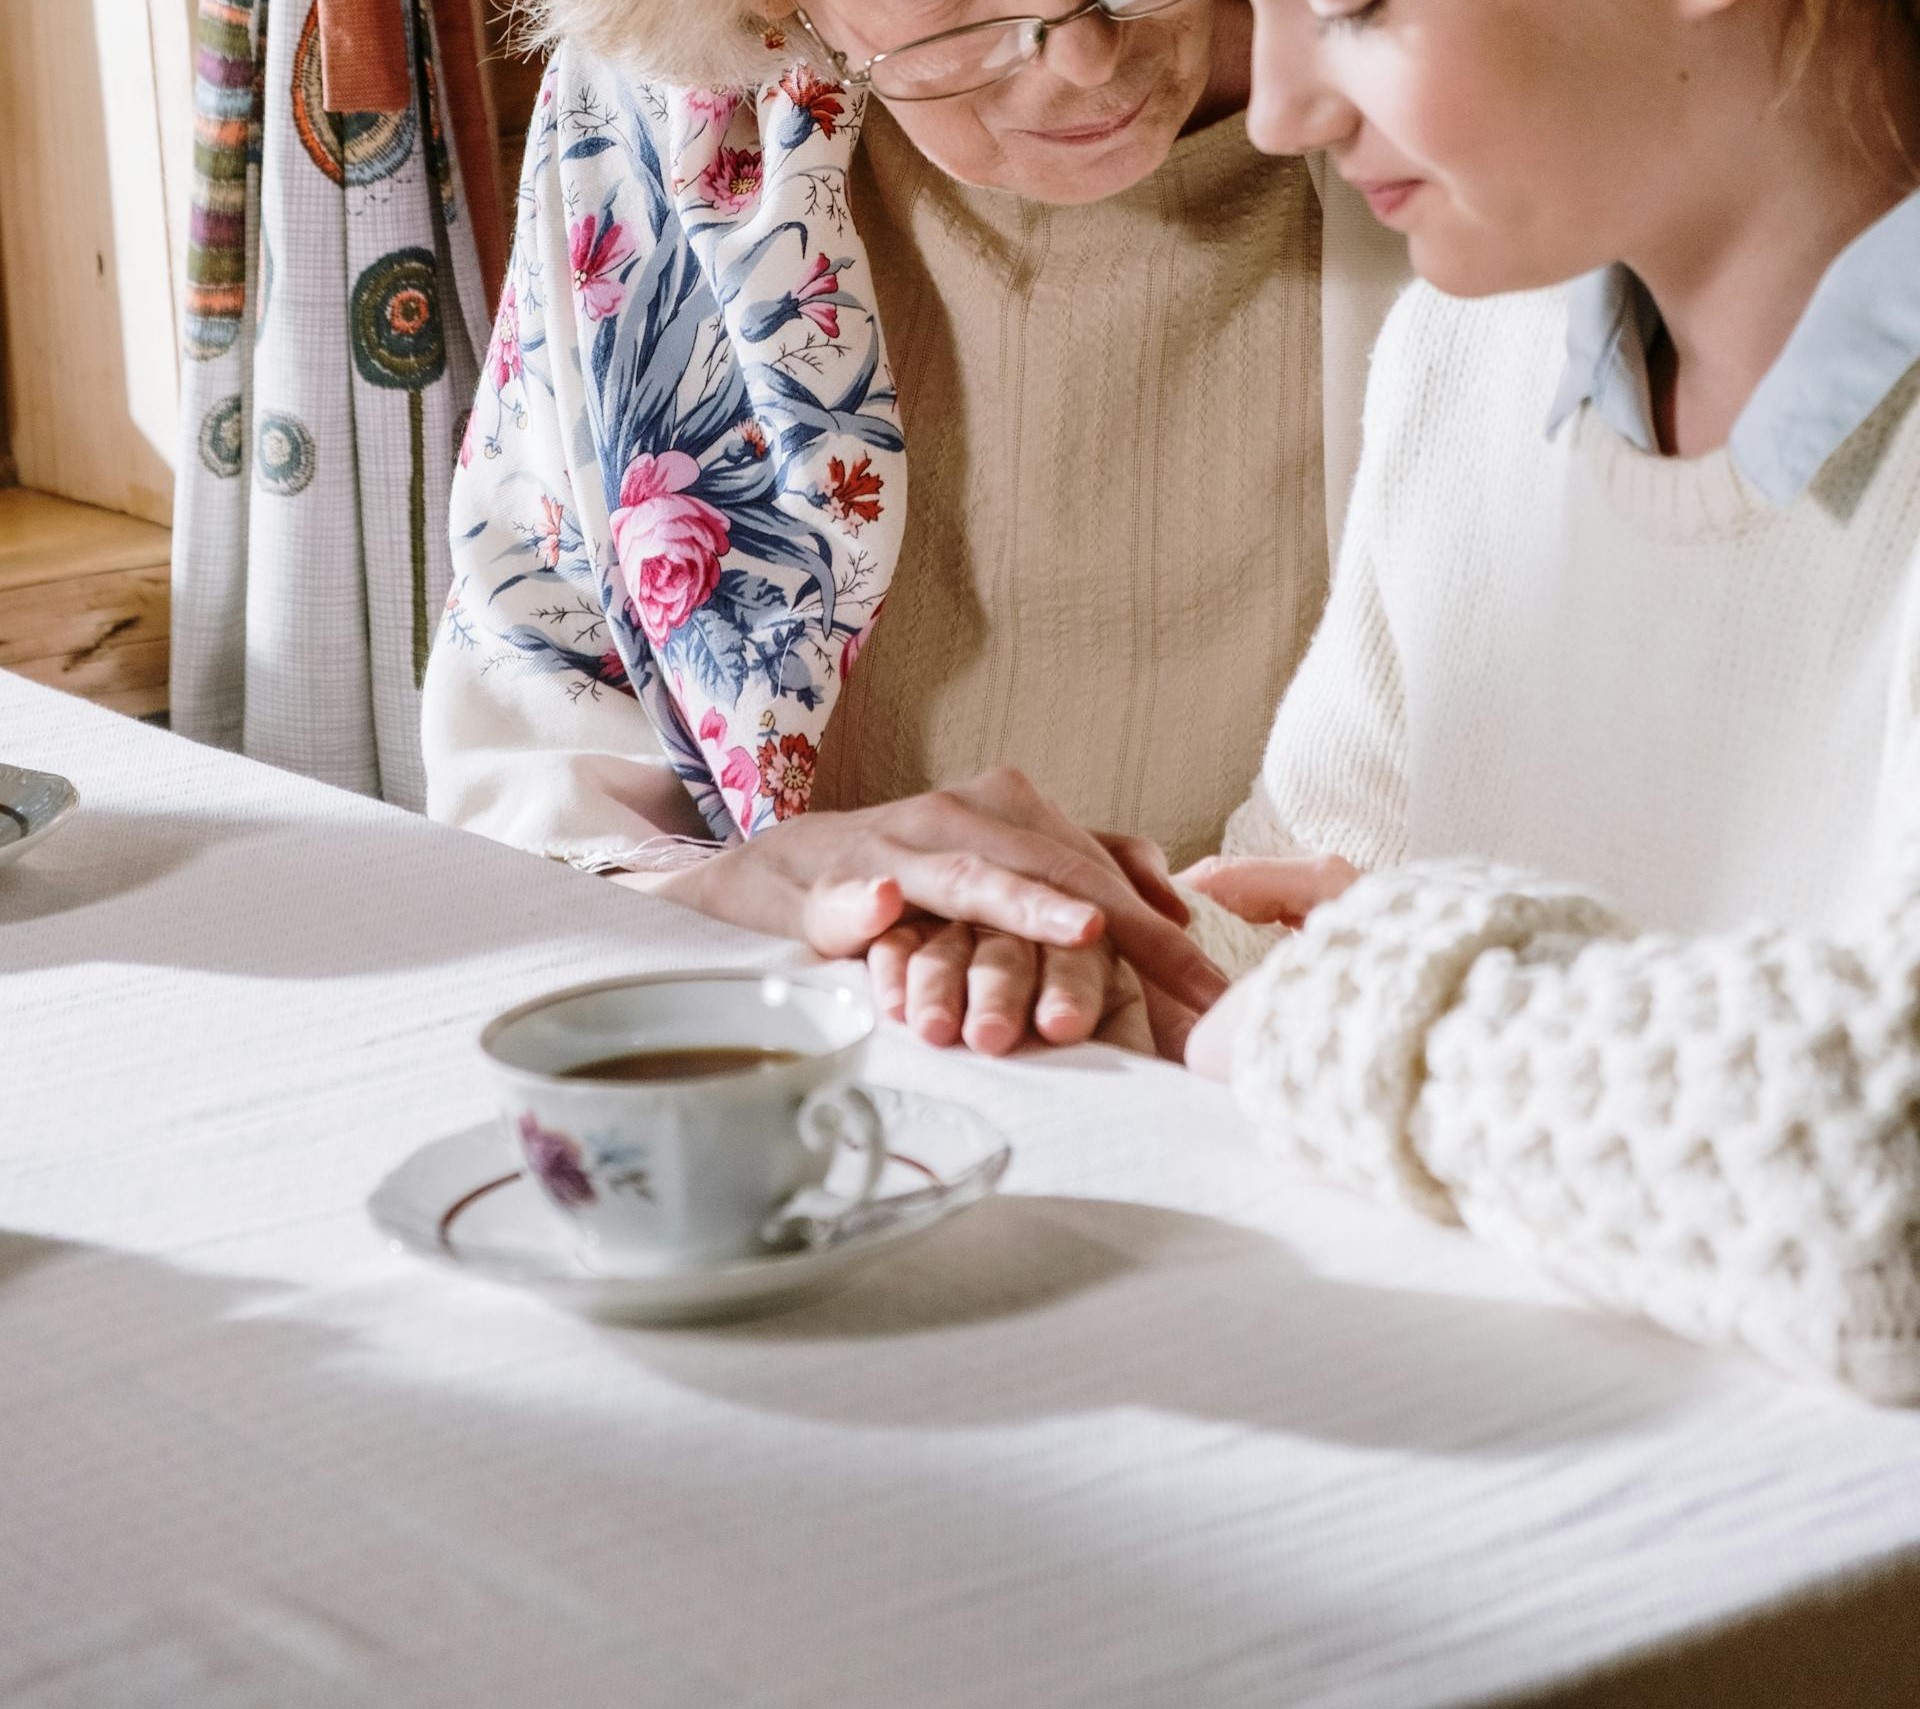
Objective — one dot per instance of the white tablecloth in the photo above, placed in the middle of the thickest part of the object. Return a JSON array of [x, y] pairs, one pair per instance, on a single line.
[[1162, 1426]]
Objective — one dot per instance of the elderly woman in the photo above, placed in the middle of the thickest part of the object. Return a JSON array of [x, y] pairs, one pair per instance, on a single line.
[[764, 266]]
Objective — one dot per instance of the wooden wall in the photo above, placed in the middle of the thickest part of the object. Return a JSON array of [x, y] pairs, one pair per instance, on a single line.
[[96, 112], [96, 164]]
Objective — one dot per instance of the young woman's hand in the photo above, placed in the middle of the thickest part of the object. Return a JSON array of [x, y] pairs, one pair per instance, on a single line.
[[992, 853], [1210, 1044], [958, 984], [1271, 890]]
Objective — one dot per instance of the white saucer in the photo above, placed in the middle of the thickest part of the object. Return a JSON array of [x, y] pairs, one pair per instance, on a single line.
[[465, 1201], [31, 804]]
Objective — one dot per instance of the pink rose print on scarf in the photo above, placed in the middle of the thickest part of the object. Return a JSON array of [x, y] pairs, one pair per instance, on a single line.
[[669, 543], [557, 1160], [733, 180], [736, 771], [598, 252], [821, 281], [503, 355]]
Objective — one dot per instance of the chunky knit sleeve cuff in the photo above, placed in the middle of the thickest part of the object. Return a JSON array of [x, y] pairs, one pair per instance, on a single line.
[[1330, 1057]]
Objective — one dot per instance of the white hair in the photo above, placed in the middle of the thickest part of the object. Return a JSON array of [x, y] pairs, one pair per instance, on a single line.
[[710, 43]]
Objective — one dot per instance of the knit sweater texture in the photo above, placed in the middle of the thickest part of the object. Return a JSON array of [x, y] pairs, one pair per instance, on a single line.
[[1115, 513], [1682, 1070]]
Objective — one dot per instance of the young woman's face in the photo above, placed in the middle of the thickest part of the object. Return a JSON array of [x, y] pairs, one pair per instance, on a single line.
[[1516, 142], [1095, 114]]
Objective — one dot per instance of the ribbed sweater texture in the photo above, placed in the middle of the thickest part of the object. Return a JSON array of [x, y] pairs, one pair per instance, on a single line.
[[1115, 551]]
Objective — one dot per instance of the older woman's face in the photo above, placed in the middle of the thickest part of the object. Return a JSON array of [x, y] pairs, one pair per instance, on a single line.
[[1096, 113]]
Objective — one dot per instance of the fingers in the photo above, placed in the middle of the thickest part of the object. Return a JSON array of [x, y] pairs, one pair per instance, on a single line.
[[953, 983], [993, 892], [887, 961], [1073, 993], [1271, 891], [1144, 863], [1009, 825], [1000, 990], [842, 918], [1125, 1025], [1023, 882], [1165, 956], [1172, 1023], [937, 984]]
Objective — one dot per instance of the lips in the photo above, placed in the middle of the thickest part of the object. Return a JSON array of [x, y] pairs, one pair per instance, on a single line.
[[1386, 197], [1082, 134]]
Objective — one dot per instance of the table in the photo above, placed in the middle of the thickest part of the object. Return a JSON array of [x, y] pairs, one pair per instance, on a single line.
[[1162, 1426]]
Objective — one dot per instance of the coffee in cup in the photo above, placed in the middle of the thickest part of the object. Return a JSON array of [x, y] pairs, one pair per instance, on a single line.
[[685, 1119]]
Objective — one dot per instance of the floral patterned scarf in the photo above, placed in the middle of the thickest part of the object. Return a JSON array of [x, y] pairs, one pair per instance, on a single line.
[[723, 369]]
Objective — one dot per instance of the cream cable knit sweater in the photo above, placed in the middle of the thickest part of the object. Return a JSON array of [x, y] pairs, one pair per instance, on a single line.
[[1632, 674]]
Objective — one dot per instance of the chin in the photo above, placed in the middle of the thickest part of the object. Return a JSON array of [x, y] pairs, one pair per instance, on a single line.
[[1475, 267], [1069, 184]]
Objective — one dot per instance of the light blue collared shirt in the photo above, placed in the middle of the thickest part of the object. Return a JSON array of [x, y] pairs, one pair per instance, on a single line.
[[1859, 336]]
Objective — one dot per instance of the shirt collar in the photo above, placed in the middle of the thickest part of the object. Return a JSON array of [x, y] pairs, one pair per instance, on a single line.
[[1857, 339]]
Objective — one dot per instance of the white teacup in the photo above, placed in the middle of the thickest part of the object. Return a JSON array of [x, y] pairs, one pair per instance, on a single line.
[[664, 1173]]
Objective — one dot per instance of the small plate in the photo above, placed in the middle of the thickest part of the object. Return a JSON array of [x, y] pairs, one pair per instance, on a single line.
[[464, 1201], [31, 804]]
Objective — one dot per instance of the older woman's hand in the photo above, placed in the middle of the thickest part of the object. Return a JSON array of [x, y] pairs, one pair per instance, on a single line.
[[992, 853]]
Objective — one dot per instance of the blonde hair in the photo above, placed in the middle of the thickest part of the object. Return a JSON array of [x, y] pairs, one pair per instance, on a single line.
[[1867, 106], [704, 43]]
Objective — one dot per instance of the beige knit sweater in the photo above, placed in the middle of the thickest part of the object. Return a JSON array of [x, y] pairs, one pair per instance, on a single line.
[[1683, 1070], [1114, 419]]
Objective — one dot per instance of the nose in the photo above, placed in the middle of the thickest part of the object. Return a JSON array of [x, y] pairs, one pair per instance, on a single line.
[[1084, 50], [1294, 109]]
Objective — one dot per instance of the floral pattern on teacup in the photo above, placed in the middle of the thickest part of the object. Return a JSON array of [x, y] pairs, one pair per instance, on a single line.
[[558, 1162]]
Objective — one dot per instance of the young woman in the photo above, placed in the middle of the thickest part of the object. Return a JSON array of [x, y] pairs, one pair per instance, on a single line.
[[1617, 701]]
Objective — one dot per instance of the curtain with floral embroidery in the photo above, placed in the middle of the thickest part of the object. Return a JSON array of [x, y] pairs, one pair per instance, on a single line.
[[335, 313]]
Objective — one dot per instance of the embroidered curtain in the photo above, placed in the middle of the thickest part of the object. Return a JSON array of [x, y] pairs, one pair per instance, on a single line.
[[336, 308]]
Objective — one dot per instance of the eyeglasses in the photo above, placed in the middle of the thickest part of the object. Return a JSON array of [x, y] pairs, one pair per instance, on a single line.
[[973, 56]]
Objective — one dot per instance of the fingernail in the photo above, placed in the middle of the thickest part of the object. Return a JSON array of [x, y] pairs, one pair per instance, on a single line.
[[938, 1026], [1068, 917], [991, 1038], [1059, 1018]]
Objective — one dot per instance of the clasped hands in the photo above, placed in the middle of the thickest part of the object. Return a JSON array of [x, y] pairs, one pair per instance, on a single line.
[[987, 916]]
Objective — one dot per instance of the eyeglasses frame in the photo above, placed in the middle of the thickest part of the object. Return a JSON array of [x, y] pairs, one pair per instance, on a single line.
[[862, 77]]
